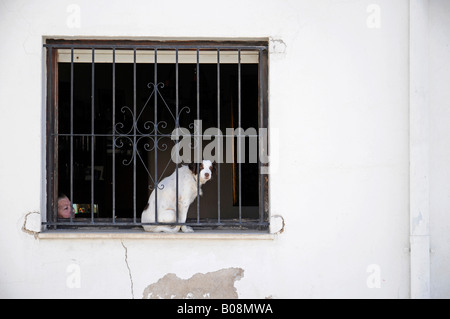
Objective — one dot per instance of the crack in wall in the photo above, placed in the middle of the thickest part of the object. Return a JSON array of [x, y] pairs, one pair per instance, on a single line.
[[128, 267]]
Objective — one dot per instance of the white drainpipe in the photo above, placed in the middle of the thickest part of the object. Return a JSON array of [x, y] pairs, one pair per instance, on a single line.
[[419, 150]]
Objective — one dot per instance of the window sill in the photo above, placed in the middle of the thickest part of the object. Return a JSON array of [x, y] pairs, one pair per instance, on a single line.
[[140, 234]]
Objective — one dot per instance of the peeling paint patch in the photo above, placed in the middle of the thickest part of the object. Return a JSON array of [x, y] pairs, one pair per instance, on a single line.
[[277, 224], [32, 224], [417, 222], [215, 285], [277, 46]]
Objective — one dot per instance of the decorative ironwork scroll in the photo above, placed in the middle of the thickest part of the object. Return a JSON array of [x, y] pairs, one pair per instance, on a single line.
[[149, 132]]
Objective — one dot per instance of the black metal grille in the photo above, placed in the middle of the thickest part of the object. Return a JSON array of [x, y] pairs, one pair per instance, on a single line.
[[146, 135]]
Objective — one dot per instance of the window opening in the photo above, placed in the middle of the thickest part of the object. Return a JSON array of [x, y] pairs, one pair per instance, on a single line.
[[112, 112]]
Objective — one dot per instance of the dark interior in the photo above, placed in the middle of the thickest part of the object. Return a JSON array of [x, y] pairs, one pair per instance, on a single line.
[[104, 145]]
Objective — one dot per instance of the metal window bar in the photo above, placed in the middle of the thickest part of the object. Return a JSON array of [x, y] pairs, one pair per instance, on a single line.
[[53, 133], [177, 125], [199, 133], [219, 140], [239, 137], [260, 124], [71, 127], [92, 134], [156, 134], [134, 134], [113, 153]]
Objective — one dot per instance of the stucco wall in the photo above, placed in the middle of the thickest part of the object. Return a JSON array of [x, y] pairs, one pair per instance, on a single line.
[[439, 101], [339, 118]]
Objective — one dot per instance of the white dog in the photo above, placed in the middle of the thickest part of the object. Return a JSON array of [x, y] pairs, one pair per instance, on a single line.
[[187, 192]]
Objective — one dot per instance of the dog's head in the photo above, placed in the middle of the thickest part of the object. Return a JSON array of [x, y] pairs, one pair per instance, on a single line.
[[206, 168]]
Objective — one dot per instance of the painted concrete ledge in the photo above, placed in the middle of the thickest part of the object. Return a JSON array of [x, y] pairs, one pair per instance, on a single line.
[[140, 234]]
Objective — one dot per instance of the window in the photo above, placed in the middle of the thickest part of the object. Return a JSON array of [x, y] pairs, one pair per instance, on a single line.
[[123, 115]]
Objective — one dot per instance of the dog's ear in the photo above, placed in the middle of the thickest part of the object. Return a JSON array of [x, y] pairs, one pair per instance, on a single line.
[[214, 168], [193, 168]]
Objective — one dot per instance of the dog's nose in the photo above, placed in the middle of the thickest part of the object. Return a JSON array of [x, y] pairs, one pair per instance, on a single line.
[[206, 175]]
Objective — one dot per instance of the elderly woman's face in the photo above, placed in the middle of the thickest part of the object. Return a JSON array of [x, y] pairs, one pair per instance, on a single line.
[[64, 208]]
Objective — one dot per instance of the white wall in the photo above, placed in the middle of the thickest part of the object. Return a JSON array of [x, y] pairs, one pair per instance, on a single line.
[[339, 89], [439, 104]]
